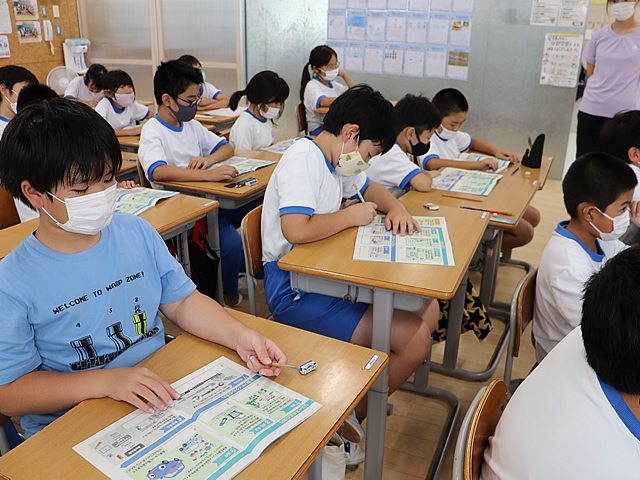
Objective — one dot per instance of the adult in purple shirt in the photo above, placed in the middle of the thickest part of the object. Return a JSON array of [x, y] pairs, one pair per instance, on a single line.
[[613, 69]]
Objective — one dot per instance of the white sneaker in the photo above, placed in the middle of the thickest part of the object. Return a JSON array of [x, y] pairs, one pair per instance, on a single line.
[[355, 454], [351, 429], [243, 287]]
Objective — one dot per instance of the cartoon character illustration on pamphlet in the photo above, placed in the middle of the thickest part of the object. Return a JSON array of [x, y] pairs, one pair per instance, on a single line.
[[166, 469], [195, 446]]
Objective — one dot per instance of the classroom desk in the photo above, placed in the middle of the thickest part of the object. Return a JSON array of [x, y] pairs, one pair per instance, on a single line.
[[338, 384], [171, 217], [130, 141], [220, 116], [327, 267], [129, 168], [321, 110]]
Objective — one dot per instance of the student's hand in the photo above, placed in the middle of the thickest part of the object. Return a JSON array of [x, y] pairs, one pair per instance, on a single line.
[[488, 164], [259, 351], [93, 102], [434, 173], [128, 184], [138, 386], [634, 213], [197, 163], [221, 173], [507, 155], [400, 222], [362, 213]]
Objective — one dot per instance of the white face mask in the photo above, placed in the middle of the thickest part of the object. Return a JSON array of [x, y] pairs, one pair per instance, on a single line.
[[13, 105], [330, 75], [271, 113], [446, 134], [620, 225], [351, 164], [88, 214], [125, 99], [623, 11]]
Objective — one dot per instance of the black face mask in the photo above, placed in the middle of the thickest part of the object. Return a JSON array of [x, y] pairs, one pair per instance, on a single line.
[[420, 148]]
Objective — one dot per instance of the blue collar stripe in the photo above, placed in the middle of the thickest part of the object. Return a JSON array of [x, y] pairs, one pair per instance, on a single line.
[[561, 229], [116, 109], [170, 127], [264, 120], [621, 408], [443, 139], [329, 166]]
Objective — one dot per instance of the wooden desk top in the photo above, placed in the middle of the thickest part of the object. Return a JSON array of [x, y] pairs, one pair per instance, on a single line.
[[129, 141], [322, 110], [220, 115], [129, 162], [166, 215], [512, 193], [332, 257], [338, 384], [218, 188]]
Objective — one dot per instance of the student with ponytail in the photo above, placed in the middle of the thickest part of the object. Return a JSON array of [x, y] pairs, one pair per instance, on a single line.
[[318, 88], [266, 93]]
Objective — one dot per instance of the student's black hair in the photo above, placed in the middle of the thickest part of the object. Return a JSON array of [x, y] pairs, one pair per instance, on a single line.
[[264, 87], [190, 60], [621, 133], [56, 142], [12, 74], [450, 101], [174, 77], [94, 74], [418, 112], [597, 178], [114, 79], [367, 108], [34, 93], [611, 322], [319, 57]]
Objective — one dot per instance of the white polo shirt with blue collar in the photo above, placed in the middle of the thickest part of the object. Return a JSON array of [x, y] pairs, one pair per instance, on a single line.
[[565, 266], [393, 170], [209, 91], [164, 144], [120, 118], [314, 92], [78, 89], [447, 149], [250, 132]]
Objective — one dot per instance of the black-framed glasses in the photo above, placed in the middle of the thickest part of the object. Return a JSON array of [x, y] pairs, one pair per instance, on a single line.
[[191, 103]]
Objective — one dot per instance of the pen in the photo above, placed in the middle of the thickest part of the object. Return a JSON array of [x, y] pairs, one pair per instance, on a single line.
[[517, 168], [510, 214], [358, 192], [281, 365]]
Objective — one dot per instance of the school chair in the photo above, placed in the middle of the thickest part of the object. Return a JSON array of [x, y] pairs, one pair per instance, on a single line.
[[8, 212], [478, 425], [143, 178], [521, 315], [9, 436], [252, 248], [302, 119]]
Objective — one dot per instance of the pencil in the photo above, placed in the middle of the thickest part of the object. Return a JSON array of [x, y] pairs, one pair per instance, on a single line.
[[358, 192], [510, 214], [517, 168], [281, 365], [461, 198]]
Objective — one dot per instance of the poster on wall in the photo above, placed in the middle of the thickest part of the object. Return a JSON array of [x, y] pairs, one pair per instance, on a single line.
[[5, 17], [4, 47], [29, 32], [561, 13], [26, 9], [418, 38], [561, 60]]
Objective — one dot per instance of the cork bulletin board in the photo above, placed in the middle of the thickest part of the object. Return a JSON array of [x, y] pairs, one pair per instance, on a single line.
[[37, 56]]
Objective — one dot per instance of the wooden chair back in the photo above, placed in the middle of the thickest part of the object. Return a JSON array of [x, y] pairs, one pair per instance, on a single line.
[[524, 313], [8, 212], [252, 240], [143, 178], [483, 425], [302, 119]]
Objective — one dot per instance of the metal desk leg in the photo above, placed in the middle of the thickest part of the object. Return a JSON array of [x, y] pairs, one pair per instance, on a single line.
[[315, 470], [490, 274], [186, 263], [214, 243], [456, 313], [379, 392]]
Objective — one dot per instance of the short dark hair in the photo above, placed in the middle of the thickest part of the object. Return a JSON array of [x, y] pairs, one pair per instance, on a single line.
[[611, 322], [174, 77], [12, 74], [190, 60], [54, 142], [94, 74], [367, 108], [597, 178], [621, 133], [33, 93], [115, 79], [418, 112], [264, 87], [450, 101]]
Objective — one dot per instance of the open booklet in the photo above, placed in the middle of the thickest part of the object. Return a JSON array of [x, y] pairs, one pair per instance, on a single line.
[[476, 157], [244, 164], [137, 200], [226, 416], [430, 246], [459, 180], [279, 147], [224, 112]]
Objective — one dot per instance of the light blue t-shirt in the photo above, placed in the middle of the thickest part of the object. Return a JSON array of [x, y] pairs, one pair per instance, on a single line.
[[94, 309]]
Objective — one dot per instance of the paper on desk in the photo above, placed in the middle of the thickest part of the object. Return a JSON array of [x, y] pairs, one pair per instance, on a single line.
[[458, 180], [224, 112], [226, 416], [138, 200], [244, 164], [430, 246], [279, 147], [476, 157]]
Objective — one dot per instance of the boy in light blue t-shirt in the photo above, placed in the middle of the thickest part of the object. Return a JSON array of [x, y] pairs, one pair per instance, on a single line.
[[80, 296]]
